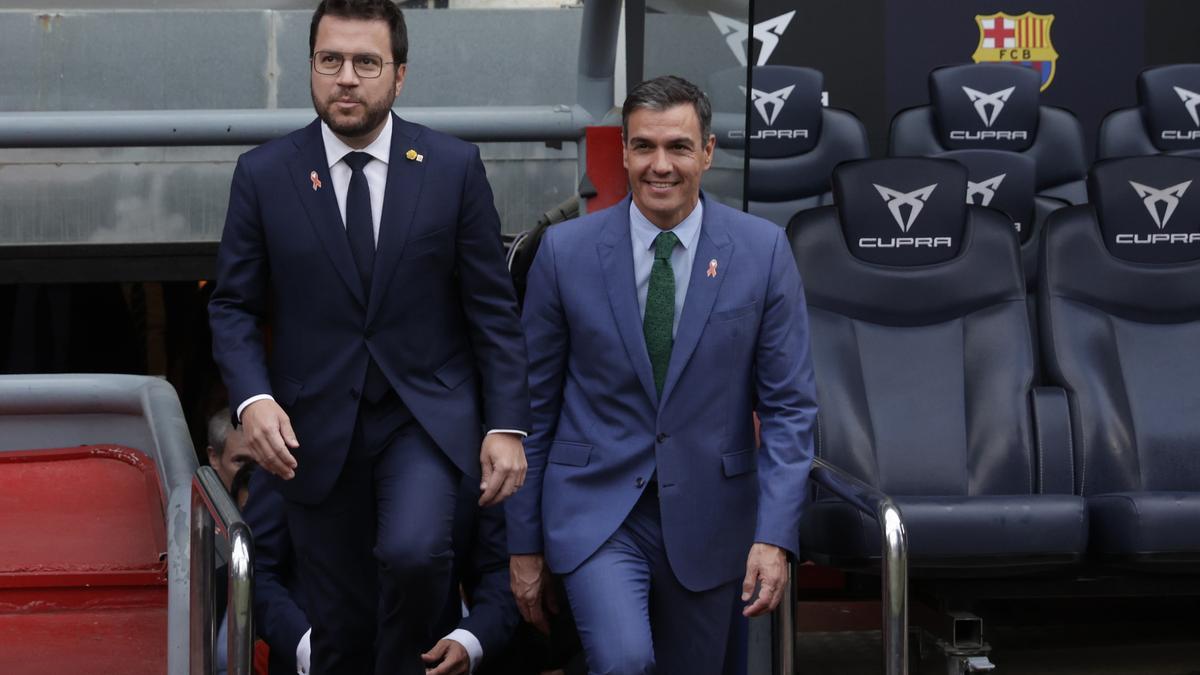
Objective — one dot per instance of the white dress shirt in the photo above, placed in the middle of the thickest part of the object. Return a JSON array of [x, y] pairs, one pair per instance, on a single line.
[[683, 256]]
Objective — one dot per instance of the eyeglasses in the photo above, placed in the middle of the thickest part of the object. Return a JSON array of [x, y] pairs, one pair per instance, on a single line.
[[367, 66]]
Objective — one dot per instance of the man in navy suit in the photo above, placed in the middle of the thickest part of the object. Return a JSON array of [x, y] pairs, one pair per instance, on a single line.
[[654, 329], [371, 247], [480, 566]]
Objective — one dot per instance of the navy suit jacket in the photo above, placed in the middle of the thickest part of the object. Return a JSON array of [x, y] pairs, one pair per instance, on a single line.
[[440, 318], [480, 565], [600, 432]]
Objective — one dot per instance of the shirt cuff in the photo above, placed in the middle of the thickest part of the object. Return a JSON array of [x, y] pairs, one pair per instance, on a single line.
[[304, 653], [518, 432], [250, 400], [470, 643]]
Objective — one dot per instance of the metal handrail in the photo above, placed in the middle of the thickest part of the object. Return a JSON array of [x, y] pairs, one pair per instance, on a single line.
[[119, 128], [894, 572], [214, 513]]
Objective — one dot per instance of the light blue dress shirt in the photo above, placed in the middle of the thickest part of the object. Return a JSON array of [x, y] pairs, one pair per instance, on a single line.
[[643, 234]]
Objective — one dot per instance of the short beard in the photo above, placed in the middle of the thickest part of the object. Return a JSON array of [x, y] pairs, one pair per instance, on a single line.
[[375, 116]]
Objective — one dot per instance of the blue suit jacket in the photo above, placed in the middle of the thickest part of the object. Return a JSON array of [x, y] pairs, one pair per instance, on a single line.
[[480, 565], [441, 320], [600, 432]]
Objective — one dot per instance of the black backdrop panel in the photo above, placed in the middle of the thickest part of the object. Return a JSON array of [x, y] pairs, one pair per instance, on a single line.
[[1099, 50], [845, 41], [877, 54]]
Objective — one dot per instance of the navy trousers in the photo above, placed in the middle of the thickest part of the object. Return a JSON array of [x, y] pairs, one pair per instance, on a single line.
[[376, 556], [633, 615]]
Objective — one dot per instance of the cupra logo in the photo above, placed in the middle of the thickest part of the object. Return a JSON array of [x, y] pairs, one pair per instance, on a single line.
[[996, 100], [896, 200], [767, 32]]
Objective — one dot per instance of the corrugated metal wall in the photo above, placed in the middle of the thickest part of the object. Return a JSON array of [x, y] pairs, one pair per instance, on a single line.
[[164, 57]]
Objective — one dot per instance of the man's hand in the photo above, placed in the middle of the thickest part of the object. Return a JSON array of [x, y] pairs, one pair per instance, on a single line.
[[767, 566], [502, 458], [531, 588], [447, 658], [269, 431]]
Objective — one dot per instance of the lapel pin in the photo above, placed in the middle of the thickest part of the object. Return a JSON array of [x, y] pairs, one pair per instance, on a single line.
[[316, 180], [712, 268], [414, 156], [420, 158]]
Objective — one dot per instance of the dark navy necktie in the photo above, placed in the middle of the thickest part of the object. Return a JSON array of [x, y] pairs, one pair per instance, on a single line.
[[360, 230]]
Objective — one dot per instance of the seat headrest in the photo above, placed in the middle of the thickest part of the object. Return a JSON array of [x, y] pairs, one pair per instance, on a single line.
[[1148, 207], [1170, 100], [1001, 180], [985, 105], [785, 109], [901, 211]]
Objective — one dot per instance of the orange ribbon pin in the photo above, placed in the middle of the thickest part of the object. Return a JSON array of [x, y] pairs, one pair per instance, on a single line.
[[316, 180], [712, 268]]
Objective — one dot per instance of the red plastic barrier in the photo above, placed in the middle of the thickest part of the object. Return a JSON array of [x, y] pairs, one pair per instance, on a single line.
[[605, 167], [83, 569]]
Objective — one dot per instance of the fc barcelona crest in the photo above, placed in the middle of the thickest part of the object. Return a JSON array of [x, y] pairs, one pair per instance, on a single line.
[[1022, 40]]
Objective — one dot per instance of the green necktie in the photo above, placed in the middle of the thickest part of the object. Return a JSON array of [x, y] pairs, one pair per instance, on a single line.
[[660, 308]]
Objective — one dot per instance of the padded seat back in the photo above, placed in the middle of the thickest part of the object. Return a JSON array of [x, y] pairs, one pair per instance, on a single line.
[[919, 332], [1166, 119], [989, 106], [1120, 304], [1006, 181], [794, 140]]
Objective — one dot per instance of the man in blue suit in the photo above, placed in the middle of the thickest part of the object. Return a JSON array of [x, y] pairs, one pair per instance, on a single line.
[[654, 329], [371, 247], [480, 566]]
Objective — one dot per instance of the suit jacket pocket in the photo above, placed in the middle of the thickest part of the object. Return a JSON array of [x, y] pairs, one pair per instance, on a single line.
[[424, 244], [571, 454], [455, 371], [285, 390], [738, 463], [731, 314]]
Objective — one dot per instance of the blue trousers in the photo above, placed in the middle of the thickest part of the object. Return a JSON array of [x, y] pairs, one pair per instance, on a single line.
[[376, 556], [633, 615]]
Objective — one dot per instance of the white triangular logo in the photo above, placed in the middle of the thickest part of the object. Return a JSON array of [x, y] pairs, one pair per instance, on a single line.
[[767, 32], [915, 200], [996, 100], [985, 189], [1190, 100], [770, 103], [1168, 197]]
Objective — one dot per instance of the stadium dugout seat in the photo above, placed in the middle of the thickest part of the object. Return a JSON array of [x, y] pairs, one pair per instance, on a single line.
[[1120, 305], [795, 141], [1166, 119], [924, 368], [1005, 181], [991, 106]]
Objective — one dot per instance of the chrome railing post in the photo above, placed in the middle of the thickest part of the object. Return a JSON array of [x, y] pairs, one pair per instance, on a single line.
[[214, 513], [894, 588], [894, 553], [203, 623]]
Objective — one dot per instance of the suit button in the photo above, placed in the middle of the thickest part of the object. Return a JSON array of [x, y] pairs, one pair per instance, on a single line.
[[354, 393], [639, 482], [661, 437]]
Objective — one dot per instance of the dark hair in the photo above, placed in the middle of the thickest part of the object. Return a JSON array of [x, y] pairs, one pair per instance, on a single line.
[[368, 10], [665, 92]]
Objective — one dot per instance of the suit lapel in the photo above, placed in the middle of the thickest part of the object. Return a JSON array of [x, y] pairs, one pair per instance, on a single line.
[[321, 205], [616, 258], [714, 243], [404, 181]]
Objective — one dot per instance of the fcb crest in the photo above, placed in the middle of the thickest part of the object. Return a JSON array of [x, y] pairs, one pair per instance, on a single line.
[[1022, 40]]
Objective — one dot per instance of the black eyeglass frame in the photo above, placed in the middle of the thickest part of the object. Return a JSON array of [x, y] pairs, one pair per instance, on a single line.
[[342, 56]]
